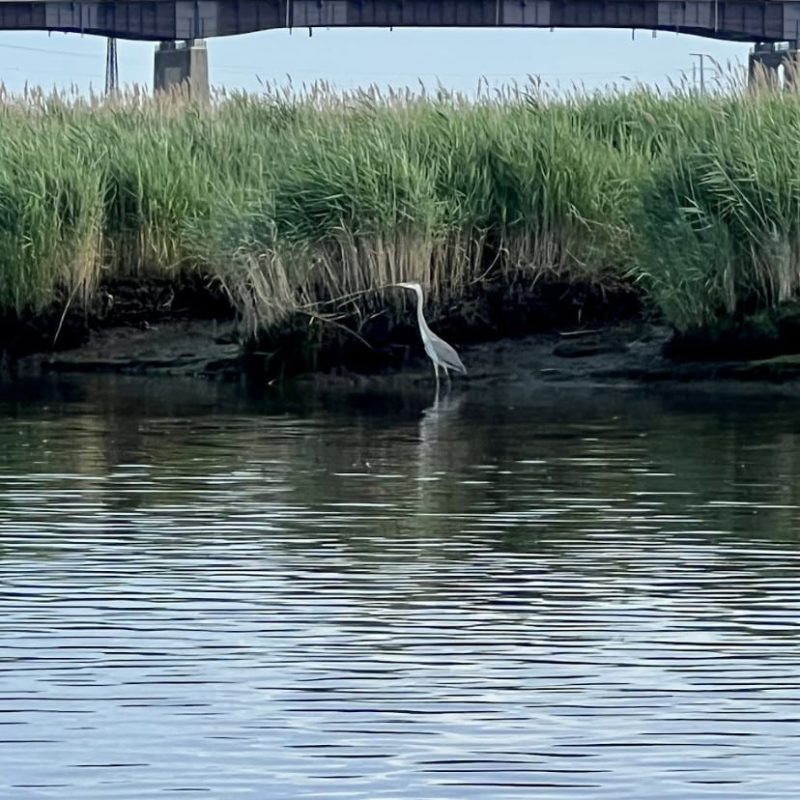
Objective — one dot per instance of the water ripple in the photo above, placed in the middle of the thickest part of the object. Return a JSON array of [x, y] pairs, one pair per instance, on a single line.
[[496, 598]]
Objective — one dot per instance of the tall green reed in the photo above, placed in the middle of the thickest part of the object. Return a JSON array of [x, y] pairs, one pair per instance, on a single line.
[[295, 201]]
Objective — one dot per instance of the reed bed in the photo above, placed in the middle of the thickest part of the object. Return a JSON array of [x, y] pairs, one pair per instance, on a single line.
[[305, 201]]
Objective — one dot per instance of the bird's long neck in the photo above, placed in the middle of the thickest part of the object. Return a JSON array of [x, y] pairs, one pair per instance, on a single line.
[[423, 326]]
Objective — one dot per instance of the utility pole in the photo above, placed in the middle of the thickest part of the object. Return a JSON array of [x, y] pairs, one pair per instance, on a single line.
[[701, 56], [112, 70]]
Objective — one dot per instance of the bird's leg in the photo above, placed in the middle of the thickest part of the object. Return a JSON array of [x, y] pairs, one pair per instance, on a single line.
[[436, 373], [447, 375]]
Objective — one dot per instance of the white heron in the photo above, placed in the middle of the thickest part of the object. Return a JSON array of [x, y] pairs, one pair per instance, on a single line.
[[440, 353]]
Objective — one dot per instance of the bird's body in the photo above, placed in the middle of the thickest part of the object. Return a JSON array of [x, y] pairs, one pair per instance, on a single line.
[[440, 353]]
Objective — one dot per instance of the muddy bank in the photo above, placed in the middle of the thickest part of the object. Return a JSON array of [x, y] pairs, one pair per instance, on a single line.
[[630, 352], [552, 333], [189, 328], [208, 348], [131, 325], [627, 353]]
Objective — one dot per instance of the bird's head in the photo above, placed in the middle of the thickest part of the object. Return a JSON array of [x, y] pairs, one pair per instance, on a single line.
[[413, 286]]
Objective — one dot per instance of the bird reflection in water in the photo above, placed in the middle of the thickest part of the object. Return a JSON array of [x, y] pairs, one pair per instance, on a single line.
[[437, 430]]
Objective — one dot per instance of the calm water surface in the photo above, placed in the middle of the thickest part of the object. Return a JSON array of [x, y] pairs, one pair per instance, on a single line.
[[579, 594]]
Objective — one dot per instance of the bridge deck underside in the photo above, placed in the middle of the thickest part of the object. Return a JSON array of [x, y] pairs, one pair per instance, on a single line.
[[738, 20]]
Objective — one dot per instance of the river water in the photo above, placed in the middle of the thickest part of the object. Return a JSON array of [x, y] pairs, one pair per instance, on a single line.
[[560, 593]]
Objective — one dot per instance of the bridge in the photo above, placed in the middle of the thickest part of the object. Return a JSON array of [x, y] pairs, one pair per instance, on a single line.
[[765, 22], [162, 20]]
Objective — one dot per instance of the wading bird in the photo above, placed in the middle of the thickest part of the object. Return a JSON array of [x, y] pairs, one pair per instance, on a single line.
[[439, 352]]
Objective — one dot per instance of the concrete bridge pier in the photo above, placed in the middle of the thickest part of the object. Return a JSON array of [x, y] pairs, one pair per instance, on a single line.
[[774, 65], [791, 68], [182, 62]]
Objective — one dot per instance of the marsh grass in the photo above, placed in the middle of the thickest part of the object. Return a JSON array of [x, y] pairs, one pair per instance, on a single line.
[[312, 202]]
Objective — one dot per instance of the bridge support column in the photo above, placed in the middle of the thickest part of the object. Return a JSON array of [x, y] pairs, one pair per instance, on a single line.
[[182, 62], [768, 60], [762, 66], [791, 68]]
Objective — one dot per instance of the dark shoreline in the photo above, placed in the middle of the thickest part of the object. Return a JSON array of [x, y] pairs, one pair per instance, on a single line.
[[552, 332]]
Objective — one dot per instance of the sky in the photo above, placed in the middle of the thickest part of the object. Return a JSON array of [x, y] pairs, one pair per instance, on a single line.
[[349, 58]]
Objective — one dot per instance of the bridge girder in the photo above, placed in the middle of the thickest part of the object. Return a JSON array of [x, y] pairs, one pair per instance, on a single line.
[[158, 20]]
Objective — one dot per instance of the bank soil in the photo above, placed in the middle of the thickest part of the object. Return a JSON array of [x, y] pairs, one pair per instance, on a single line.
[[551, 332]]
